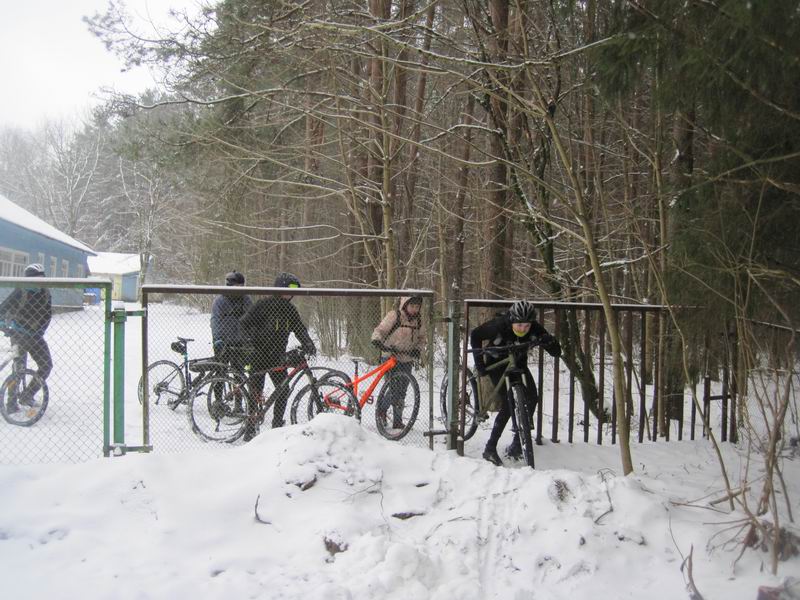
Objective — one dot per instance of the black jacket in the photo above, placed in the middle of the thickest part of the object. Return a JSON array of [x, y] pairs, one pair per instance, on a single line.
[[225, 314], [498, 332], [30, 309], [268, 324]]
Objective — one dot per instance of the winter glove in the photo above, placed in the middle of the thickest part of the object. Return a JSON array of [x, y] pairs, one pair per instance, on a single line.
[[480, 368], [309, 350], [415, 353], [380, 346], [550, 344]]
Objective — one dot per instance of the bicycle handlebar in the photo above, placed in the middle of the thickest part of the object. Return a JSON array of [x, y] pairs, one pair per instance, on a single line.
[[510, 347]]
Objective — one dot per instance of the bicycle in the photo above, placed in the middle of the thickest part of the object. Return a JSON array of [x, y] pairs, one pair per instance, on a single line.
[[472, 405], [174, 382], [512, 377], [213, 410], [17, 406], [341, 400]]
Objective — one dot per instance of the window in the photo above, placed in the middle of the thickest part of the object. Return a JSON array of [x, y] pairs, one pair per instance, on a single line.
[[41, 259], [64, 267], [12, 263], [79, 269], [53, 266]]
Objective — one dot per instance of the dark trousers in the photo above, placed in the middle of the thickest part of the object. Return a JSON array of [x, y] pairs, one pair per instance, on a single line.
[[230, 355], [234, 357], [396, 393], [504, 413], [40, 353], [281, 393]]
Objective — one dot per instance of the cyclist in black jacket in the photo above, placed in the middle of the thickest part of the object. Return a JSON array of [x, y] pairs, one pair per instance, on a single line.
[[518, 325], [268, 323], [28, 312]]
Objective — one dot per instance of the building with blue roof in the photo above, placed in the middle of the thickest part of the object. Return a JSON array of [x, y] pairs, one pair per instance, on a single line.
[[26, 239]]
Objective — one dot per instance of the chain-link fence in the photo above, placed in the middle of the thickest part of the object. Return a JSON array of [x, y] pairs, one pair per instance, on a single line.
[[53, 379], [227, 362]]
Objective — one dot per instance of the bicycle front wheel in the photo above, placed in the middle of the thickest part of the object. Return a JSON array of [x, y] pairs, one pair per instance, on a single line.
[[471, 405], [323, 396], [218, 408], [23, 398], [398, 405], [166, 383], [523, 422]]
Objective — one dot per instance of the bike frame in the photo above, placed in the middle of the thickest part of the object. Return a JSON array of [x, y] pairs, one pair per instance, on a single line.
[[506, 377], [378, 373], [292, 377]]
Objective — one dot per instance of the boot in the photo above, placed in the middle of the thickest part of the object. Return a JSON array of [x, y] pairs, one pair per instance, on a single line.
[[514, 450], [250, 430], [26, 397], [252, 420], [490, 454]]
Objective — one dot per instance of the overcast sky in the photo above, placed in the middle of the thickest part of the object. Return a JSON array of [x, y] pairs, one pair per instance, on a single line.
[[51, 66]]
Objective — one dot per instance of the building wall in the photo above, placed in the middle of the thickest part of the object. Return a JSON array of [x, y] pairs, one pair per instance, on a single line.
[[130, 287], [20, 247]]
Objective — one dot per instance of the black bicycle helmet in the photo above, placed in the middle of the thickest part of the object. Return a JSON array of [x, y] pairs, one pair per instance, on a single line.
[[34, 270], [522, 311], [287, 280], [234, 278]]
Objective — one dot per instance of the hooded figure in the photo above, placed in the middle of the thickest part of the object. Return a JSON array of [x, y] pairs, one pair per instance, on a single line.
[[401, 331], [401, 334]]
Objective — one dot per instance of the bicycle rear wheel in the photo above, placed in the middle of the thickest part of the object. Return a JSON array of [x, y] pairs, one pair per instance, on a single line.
[[166, 382], [218, 408], [395, 416], [471, 405], [23, 398], [523, 423], [324, 396]]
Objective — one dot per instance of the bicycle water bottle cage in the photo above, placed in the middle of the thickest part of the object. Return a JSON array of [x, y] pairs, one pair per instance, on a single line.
[[179, 347]]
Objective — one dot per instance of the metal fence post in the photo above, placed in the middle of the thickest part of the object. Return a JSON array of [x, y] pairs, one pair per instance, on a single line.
[[119, 317], [107, 373], [453, 322], [429, 343]]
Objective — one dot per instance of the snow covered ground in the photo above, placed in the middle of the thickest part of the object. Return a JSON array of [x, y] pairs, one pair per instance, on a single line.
[[331, 510]]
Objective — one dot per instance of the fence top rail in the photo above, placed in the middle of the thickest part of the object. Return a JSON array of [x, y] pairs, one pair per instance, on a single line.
[[55, 282], [278, 291], [486, 303]]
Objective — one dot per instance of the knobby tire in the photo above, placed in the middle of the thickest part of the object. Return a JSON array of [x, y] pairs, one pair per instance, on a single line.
[[471, 405], [523, 423], [383, 422], [17, 382]]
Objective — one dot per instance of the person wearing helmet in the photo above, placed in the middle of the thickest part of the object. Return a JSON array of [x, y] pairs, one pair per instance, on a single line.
[[226, 332], [268, 324], [400, 332], [27, 313], [517, 325]]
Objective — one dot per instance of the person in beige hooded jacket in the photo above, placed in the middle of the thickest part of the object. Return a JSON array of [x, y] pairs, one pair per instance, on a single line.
[[400, 333]]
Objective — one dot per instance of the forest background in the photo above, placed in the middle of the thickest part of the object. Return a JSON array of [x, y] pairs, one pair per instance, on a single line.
[[612, 151]]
